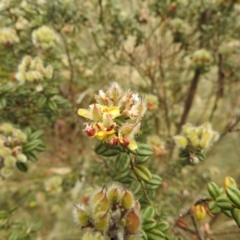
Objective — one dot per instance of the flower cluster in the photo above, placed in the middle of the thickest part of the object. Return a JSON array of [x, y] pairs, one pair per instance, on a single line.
[[44, 37], [11, 141], [201, 59], [116, 116], [196, 139], [112, 211], [33, 71], [8, 36]]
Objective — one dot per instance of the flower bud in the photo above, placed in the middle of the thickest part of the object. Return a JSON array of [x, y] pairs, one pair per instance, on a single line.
[[194, 141], [87, 236], [127, 200], [20, 136], [81, 216], [5, 151], [7, 128], [207, 126], [115, 92], [26, 62], [44, 37], [205, 139], [199, 212], [181, 141], [90, 130], [114, 195], [48, 72], [98, 236], [228, 181], [29, 76], [10, 161], [6, 172], [37, 75], [21, 157], [40, 68], [21, 77], [127, 129], [39, 88], [8, 36], [133, 221], [141, 107], [98, 196], [102, 205], [101, 221], [186, 129]]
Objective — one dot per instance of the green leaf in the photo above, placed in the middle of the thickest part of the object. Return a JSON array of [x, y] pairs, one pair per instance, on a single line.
[[100, 147], [213, 190], [148, 212], [122, 162], [36, 135], [13, 236], [142, 173], [163, 226], [224, 203], [184, 153], [213, 207], [22, 166], [155, 234], [28, 131], [233, 194], [155, 182], [42, 100], [31, 145], [141, 159], [110, 152], [135, 186], [31, 156], [144, 150], [149, 224], [36, 227], [227, 213], [52, 105], [143, 235], [236, 216], [119, 176]]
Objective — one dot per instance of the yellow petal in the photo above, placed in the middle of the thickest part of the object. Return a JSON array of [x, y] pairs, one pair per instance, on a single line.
[[113, 111], [132, 145], [101, 135], [181, 141], [84, 113], [205, 139]]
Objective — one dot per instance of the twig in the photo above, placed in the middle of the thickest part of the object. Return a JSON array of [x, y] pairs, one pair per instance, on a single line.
[[220, 91], [190, 97], [195, 226]]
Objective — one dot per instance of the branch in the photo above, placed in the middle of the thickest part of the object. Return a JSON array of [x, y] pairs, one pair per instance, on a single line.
[[190, 97], [220, 91]]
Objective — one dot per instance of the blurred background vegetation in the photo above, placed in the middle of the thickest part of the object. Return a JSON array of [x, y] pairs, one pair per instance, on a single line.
[[182, 56]]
